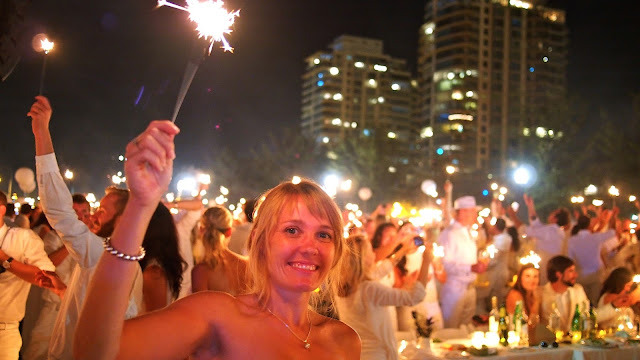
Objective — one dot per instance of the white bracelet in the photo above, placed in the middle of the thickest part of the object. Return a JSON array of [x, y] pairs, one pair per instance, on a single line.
[[106, 243]]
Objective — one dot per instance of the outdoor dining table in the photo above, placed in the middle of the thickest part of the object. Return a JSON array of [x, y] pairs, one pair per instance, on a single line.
[[562, 352]]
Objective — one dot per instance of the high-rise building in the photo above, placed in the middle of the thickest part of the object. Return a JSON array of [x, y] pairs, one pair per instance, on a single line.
[[491, 74], [356, 90]]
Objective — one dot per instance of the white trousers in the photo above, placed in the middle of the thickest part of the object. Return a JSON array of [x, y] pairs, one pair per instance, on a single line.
[[10, 342], [38, 345], [458, 303]]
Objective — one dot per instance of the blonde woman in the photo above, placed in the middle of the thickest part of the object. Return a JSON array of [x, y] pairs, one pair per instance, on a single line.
[[362, 303], [221, 269], [295, 247]]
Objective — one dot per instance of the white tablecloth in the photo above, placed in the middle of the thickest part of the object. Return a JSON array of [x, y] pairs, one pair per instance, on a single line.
[[564, 352]]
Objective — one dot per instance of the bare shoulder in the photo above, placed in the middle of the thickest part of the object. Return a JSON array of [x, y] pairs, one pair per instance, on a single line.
[[338, 336]]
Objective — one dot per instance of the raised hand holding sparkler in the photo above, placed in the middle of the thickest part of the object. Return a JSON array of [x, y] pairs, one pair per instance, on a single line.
[[213, 23]]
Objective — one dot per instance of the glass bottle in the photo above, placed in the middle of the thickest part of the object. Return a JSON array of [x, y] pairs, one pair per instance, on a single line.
[[494, 315], [594, 322], [576, 326], [585, 317], [555, 322], [503, 326]]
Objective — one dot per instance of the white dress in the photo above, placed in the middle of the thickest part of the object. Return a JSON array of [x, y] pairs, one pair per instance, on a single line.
[[366, 311]]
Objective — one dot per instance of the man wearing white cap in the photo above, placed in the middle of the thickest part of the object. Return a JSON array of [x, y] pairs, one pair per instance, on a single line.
[[458, 295]]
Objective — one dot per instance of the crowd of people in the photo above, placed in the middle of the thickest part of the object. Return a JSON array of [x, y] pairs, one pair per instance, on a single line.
[[292, 277]]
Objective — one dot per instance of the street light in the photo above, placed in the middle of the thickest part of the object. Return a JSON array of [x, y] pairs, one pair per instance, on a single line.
[[450, 169], [632, 198], [68, 174]]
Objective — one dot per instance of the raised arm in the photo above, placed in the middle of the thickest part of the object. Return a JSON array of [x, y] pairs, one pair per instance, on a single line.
[[83, 246], [148, 169]]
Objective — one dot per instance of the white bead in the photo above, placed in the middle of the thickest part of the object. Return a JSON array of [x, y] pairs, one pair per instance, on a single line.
[[307, 346]]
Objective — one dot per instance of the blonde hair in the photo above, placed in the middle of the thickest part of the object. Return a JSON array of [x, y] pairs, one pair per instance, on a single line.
[[215, 222], [354, 271], [283, 198]]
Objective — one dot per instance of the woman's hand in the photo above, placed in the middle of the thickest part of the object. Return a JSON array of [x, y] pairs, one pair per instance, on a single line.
[[50, 280], [149, 162]]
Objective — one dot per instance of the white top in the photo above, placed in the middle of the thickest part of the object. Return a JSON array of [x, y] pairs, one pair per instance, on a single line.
[[460, 252], [52, 243], [609, 319], [84, 247], [185, 221], [566, 304], [239, 238], [26, 247], [585, 246], [549, 237], [365, 311]]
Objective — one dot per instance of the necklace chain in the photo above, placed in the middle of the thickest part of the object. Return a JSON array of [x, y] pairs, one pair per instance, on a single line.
[[307, 345]]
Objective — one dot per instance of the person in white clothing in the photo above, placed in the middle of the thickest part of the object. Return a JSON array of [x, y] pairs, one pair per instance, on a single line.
[[588, 249], [498, 267], [616, 287], [566, 294], [85, 247], [458, 294], [186, 218], [361, 302], [22, 257]]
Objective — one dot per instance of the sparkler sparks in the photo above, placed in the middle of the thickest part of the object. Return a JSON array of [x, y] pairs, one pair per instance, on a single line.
[[212, 19], [46, 45], [531, 258]]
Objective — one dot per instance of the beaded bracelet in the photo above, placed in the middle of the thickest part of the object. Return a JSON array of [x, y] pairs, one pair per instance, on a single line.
[[106, 243]]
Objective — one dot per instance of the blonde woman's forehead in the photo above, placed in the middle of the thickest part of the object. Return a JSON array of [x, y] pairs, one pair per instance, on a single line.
[[298, 211]]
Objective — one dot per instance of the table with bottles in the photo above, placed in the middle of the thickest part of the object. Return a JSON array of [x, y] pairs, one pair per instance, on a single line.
[[509, 337]]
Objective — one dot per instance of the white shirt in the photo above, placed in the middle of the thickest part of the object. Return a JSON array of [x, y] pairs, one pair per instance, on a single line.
[[26, 247], [366, 312], [549, 237], [565, 303], [52, 243], [460, 252], [185, 221], [84, 247], [239, 238], [585, 247]]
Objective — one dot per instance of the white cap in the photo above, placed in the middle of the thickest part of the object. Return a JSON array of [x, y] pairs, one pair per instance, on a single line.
[[465, 202]]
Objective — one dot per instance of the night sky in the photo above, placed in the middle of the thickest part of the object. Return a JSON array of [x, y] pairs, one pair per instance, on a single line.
[[118, 64]]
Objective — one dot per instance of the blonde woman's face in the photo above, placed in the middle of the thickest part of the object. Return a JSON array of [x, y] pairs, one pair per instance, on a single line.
[[301, 250]]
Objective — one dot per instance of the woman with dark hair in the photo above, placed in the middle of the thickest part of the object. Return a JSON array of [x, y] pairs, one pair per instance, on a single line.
[[162, 266], [526, 290], [617, 290]]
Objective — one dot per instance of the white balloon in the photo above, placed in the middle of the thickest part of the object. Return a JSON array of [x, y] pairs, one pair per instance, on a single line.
[[428, 187], [24, 176], [364, 194], [28, 187]]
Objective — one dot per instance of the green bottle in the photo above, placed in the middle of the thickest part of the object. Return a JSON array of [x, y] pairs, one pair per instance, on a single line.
[[517, 318], [503, 326], [576, 326], [594, 323]]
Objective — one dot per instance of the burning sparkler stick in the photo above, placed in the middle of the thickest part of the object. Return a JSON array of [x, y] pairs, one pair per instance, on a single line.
[[46, 46], [213, 23]]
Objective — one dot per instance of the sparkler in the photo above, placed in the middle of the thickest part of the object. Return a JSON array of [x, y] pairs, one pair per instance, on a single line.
[[46, 46], [213, 23], [492, 250], [531, 258], [438, 251]]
